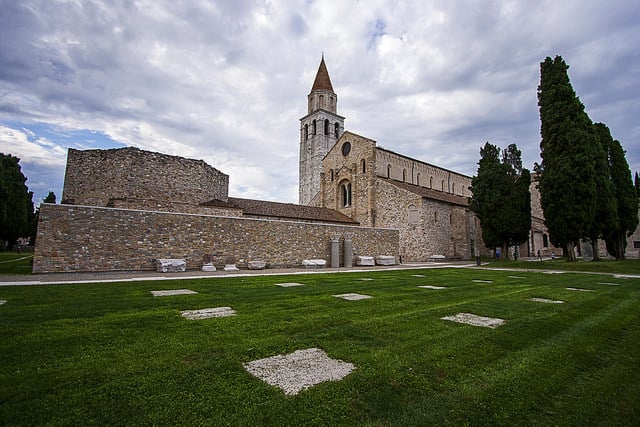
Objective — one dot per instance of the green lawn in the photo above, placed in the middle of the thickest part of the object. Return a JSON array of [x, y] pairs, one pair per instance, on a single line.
[[109, 354], [14, 263], [630, 266]]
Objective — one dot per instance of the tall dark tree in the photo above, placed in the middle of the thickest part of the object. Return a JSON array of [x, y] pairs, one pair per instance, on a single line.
[[501, 197], [626, 201], [636, 183], [606, 214], [16, 201], [51, 198], [569, 149]]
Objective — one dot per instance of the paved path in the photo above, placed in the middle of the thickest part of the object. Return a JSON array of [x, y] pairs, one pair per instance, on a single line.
[[138, 276]]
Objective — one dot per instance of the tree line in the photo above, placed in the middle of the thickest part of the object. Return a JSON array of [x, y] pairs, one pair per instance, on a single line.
[[586, 188], [17, 216]]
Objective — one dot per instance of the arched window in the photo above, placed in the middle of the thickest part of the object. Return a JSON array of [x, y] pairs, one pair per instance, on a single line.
[[364, 166], [404, 175], [321, 101], [313, 127], [331, 102], [443, 185], [453, 188], [331, 175], [435, 216], [326, 126], [418, 179], [345, 191], [311, 104], [337, 129], [306, 131], [388, 171], [430, 182]]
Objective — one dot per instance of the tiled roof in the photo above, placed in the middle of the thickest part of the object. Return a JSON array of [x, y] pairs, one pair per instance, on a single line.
[[322, 81], [429, 193], [290, 211]]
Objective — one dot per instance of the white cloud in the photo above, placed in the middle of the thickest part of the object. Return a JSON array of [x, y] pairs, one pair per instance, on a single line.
[[40, 151], [227, 81]]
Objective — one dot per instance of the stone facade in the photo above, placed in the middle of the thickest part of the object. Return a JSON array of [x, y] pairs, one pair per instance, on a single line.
[[97, 177], [379, 188], [84, 238], [633, 244]]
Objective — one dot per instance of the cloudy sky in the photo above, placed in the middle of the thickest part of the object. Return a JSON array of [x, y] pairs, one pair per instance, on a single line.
[[227, 81]]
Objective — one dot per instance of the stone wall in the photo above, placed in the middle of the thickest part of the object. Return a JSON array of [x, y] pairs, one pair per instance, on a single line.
[[94, 177], [83, 238]]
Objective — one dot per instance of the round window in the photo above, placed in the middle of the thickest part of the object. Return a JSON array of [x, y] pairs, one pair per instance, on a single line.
[[346, 148]]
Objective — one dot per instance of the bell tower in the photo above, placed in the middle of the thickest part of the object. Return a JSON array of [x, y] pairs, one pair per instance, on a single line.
[[319, 131]]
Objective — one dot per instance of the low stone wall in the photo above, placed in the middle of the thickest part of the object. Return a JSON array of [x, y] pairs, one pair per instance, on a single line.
[[83, 238]]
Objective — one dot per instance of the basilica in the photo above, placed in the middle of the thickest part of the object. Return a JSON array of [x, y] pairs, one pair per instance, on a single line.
[[376, 187]]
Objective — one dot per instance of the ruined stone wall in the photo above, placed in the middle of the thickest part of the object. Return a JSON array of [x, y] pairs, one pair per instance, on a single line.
[[93, 177], [83, 238]]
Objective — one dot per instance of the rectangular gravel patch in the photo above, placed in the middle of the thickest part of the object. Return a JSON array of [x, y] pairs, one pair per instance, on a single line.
[[580, 289], [207, 313], [289, 285], [299, 370], [173, 292], [352, 297], [432, 287], [545, 300], [475, 320]]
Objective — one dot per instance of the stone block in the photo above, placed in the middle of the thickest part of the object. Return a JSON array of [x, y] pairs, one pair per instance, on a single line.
[[385, 260], [208, 267], [230, 267], [256, 265], [171, 265], [365, 260], [314, 263]]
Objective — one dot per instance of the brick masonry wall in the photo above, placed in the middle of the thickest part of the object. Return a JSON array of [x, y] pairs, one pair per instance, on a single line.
[[81, 238], [93, 177]]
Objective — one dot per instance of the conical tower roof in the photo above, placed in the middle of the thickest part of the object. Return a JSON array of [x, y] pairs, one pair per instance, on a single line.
[[322, 81]]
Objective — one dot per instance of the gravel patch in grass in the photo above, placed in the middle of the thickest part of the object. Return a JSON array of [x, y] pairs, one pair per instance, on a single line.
[[353, 296], [289, 285], [545, 300], [173, 292], [418, 275], [482, 281], [626, 276], [299, 370], [475, 320], [3, 301], [580, 289], [207, 313], [366, 278], [609, 283], [517, 277], [553, 272], [432, 287]]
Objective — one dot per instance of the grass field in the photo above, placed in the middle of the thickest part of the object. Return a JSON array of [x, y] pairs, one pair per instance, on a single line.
[[109, 354], [14, 263]]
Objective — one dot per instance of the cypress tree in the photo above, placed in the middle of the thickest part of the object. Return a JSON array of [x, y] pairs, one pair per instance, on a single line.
[[606, 203], [626, 200], [501, 197], [16, 201], [569, 149]]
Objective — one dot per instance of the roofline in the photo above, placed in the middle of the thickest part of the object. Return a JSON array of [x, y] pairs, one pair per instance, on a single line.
[[423, 162]]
